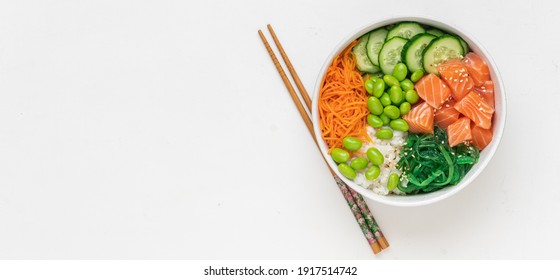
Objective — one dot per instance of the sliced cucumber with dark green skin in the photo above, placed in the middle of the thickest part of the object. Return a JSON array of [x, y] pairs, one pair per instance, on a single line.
[[374, 44], [435, 32], [390, 54], [362, 61], [438, 33], [441, 50], [464, 45], [412, 51], [405, 30]]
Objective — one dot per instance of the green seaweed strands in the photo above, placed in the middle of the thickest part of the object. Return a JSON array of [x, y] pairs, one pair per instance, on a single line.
[[429, 164]]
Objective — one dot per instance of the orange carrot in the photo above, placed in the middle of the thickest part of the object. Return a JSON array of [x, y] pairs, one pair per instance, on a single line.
[[343, 101]]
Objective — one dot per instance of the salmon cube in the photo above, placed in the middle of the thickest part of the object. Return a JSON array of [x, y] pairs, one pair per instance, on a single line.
[[432, 90], [459, 131]]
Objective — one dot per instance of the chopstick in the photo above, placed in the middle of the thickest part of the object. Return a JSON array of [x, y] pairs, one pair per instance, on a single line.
[[355, 201]]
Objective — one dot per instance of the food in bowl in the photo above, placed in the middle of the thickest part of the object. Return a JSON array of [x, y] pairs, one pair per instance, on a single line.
[[406, 109]]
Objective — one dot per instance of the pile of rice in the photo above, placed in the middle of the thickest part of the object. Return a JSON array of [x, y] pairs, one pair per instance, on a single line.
[[391, 150]]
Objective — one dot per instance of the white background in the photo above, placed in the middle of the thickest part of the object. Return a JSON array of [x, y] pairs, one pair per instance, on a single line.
[[161, 130]]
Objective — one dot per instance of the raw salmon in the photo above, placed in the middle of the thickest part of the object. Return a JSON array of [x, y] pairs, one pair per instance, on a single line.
[[487, 92], [432, 90], [446, 115], [481, 137], [476, 109], [459, 131], [420, 119], [456, 76], [478, 69]]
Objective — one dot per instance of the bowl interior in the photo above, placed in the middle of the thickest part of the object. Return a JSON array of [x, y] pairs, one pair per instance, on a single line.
[[485, 156]]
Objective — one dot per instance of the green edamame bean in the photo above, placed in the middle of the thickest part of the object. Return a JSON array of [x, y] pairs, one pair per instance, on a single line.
[[339, 155], [378, 88], [396, 95], [369, 86], [390, 80], [374, 121], [359, 163], [417, 75], [393, 181], [407, 85], [347, 171], [373, 172], [405, 108], [384, 134], [374, 105], [385, 119], [385, 99], [351, 143], [375, 156], [399, 124], [392, 112], [411, 96], [400, 71]]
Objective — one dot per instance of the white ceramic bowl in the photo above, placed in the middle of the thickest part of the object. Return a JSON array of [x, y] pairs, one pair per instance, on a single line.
[[485, 156]]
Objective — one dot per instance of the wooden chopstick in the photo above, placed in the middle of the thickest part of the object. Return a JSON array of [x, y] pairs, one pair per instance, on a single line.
[[295, 76], [355, 201]]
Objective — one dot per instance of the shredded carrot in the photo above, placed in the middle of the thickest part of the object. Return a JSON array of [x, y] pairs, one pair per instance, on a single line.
[[343, 101]]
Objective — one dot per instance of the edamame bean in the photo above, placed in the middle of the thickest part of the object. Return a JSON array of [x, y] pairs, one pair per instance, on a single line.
[[374, 79], [347, 171], [373, 172], [400, 71], [351, 143], [374, 121], [391, 81], [399, 124], [374, 105], [384, 134], [411, 96], [339, 155], [417, 75], [359, 163], [396, 95], [375, 156], [369, 86], [393, 181], [385, 99], [392, 112], [378, 88], [407, 85], [404, 108], [385, 119]]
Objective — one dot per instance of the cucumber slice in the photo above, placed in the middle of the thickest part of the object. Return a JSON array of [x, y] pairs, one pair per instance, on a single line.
[[435, 32], [362, 61], [390, 54], [440, 50], [412, 51], [464, 45], [405, 30], [374, 44]]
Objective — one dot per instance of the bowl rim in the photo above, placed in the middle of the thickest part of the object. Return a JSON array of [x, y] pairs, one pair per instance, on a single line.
[[498, 126]]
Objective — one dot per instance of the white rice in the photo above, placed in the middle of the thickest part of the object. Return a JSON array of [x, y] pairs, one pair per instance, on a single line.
[[391, 150]]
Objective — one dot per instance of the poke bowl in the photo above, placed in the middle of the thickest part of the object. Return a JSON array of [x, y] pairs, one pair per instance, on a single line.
[[408, 111]]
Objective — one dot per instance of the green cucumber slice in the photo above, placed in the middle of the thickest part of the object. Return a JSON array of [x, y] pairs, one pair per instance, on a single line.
[[464, 45], [390, 54], [405, 30], [412, 51], [435, 32], [362, 61], [441, 50], [374, 44]]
